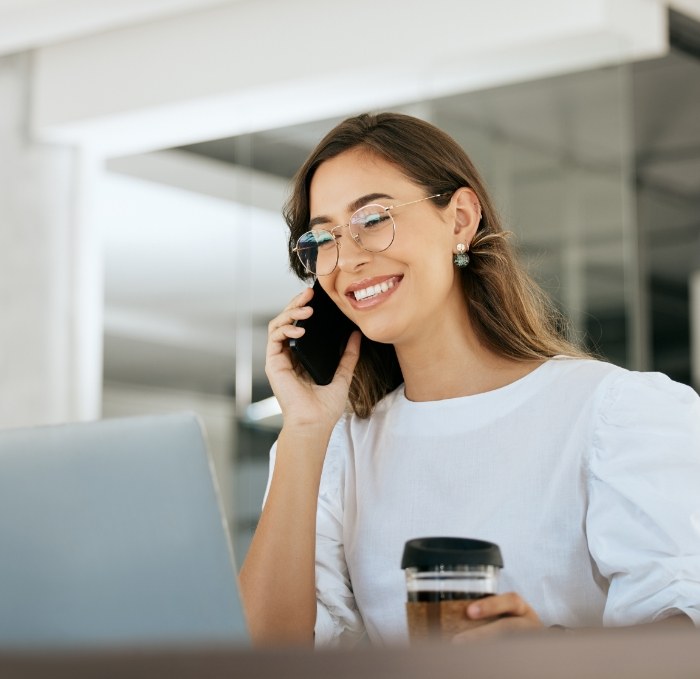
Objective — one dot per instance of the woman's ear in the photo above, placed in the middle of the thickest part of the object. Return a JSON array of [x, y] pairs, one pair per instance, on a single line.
[[467, 211]]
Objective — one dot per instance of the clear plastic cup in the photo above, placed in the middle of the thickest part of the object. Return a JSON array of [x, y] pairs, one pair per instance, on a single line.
[[443, 576]]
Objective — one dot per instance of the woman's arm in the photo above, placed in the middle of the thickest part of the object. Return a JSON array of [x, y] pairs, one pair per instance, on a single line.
[[278, 576], [643, 479]]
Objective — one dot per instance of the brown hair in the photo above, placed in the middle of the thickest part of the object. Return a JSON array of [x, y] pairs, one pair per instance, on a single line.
[[510, 313]]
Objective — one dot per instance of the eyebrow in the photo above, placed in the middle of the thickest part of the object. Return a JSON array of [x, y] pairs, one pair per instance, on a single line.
[[352, 207]]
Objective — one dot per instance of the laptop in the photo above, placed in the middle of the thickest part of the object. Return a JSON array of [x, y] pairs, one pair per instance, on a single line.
[[112, 534]]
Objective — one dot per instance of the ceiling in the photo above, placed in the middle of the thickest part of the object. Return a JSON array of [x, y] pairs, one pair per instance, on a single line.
[[27, 24]]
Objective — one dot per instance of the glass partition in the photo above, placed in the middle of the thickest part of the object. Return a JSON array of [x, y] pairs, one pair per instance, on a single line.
[[558, 157]]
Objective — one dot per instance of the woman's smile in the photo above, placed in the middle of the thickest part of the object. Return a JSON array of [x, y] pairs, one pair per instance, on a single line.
[[372, 291]]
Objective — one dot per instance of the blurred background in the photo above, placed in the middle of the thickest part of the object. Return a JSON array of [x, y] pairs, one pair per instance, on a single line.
[[146, 149]]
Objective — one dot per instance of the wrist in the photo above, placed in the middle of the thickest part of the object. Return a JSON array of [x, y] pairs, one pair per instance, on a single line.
[[306, 433]]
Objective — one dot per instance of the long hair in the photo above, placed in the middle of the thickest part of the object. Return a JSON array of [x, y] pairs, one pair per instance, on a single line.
[[510, 313]]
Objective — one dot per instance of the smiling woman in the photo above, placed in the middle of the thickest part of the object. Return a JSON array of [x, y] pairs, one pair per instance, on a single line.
[[472, 415], [506, 308]]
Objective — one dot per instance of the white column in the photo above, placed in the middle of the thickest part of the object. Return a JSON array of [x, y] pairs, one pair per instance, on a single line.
[[50, 361]]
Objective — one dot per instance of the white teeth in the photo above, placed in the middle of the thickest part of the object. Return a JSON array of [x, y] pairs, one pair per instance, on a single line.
[[373, 290]]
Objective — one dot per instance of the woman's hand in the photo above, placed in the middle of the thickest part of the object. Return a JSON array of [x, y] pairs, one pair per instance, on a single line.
[[303, 402], [501, 613]]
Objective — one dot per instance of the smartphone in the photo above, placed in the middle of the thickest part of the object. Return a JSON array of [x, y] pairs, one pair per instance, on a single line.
[[328, 329]]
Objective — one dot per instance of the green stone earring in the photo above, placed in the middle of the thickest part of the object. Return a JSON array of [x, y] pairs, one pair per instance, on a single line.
[[461, 258]]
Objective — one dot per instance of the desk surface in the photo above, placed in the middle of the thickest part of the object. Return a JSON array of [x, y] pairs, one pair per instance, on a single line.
[[603, 654]]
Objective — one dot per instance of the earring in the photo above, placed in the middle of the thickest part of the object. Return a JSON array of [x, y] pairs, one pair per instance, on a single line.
[[461, 259]]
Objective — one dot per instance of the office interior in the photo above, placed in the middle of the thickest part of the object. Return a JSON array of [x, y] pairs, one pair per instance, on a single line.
[[146, 153]]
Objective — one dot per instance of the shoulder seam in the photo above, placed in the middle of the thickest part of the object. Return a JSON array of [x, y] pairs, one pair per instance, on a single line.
[[601, 400]]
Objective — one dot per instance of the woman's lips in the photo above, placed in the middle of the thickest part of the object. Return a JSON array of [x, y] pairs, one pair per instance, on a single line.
[[372, 292]]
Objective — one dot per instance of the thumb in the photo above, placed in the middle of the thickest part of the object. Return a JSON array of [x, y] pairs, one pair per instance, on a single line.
[[351, 355]]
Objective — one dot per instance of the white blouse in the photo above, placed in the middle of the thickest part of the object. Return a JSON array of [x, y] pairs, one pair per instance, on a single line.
[[587, 476]]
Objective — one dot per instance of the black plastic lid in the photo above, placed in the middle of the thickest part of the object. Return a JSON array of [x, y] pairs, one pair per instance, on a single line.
[[429, 553]]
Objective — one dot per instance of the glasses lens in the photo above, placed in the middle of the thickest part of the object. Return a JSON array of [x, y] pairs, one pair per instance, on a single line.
[[373, 228], [318, 252]]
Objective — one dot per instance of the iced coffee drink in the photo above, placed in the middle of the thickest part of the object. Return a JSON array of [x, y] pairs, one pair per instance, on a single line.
[[443, 576]]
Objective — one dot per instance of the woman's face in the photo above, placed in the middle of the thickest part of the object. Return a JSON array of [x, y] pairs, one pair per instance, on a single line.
[[420, 288]]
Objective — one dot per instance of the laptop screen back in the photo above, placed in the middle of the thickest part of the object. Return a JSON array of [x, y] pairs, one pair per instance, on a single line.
[[112, 533]]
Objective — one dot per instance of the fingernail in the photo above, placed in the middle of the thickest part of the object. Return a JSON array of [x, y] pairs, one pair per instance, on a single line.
[[474, 610]]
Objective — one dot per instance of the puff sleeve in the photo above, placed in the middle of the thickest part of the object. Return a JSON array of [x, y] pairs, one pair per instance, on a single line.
[[643, 519], [338, 621]]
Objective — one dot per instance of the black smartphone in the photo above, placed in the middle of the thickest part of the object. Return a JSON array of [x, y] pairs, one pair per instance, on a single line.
[[328, 329]]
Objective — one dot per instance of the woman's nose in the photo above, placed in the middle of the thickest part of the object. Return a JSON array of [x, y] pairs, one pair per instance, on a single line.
[[351, 255]]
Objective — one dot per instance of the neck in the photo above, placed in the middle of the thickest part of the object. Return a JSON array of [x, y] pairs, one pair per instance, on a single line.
[[451, 362]]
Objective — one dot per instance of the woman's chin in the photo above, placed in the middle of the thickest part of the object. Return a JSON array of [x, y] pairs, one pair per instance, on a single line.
[[381, 335]]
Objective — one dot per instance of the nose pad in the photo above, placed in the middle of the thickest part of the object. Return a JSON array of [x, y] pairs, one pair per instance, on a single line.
[[351, 255]]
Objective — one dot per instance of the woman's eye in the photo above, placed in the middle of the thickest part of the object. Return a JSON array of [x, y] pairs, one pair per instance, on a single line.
[[325, 240], [371, 221]]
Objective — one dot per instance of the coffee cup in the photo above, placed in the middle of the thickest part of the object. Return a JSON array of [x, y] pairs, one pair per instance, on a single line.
[[443, 576]]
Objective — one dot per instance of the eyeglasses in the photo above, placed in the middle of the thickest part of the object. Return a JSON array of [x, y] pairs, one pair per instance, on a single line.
[[372, 227]]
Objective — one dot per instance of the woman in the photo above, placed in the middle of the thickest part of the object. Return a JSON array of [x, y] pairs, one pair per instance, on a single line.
[[585, 474]]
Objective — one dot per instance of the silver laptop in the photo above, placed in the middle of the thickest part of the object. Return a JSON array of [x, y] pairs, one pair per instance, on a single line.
[[112, 533]]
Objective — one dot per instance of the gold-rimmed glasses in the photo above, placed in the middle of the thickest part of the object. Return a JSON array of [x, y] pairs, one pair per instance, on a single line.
[[372, 227]]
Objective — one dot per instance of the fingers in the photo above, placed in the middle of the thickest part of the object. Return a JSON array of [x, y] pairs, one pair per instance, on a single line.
[[510, 604], [282, 326], [348, 361], [499, 614]]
